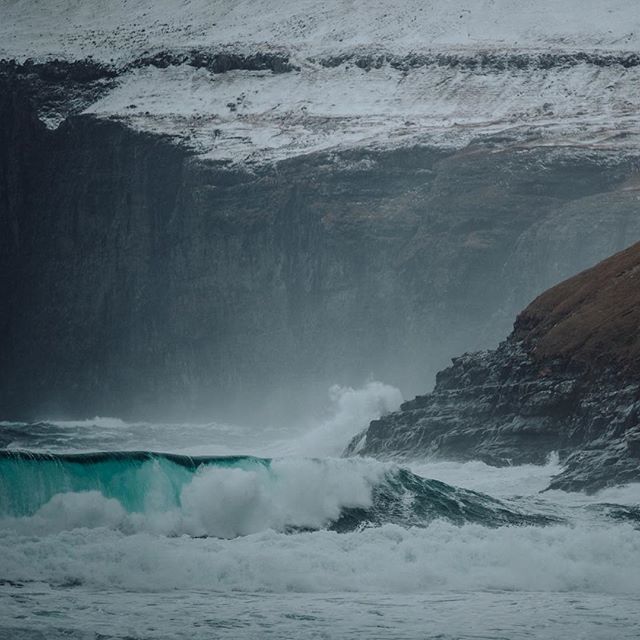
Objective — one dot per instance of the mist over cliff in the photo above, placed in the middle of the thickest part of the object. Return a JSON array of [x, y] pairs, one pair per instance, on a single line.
[[203, 214]]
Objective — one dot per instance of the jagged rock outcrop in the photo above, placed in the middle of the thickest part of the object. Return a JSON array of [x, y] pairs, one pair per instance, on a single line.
[[566, 380]]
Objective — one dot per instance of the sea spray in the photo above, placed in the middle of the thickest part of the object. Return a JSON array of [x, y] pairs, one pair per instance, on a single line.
[[350, 411]]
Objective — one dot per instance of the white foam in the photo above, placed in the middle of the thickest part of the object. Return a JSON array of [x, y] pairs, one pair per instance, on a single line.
[[291, 493], [500, 482], [219, 501], [72, 510], [386, 559], [628, 494]]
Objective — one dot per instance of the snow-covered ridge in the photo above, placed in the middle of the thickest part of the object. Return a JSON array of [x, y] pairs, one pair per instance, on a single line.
[[257, 116], [105, 30], [262, 108], [256, 81]]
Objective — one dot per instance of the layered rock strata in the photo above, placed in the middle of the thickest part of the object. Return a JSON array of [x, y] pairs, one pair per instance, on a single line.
[[566, 380]]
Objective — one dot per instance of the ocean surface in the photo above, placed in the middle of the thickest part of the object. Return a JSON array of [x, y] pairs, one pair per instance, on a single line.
[[114, 530]]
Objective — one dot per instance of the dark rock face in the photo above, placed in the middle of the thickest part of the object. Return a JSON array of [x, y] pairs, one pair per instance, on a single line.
[[139, 281], [215, 61], [488, 61], [504, 408], [481, 409], [54, 90], [565, 381]]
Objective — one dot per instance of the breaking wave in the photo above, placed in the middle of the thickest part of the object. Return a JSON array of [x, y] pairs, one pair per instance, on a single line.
[[231, 496], [143, 521]]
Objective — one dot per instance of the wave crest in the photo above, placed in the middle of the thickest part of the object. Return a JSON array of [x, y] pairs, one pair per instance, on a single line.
[[226, 497]]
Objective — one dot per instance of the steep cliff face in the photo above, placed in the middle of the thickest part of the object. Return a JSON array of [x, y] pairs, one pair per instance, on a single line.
[[565, 381], [142, 277], [141, 280]]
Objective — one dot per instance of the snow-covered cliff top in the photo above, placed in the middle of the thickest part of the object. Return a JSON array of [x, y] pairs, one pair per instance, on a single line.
[[114, 28], [332, 96]]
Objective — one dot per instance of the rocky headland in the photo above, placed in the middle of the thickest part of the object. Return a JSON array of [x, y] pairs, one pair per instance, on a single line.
[[566, 380]]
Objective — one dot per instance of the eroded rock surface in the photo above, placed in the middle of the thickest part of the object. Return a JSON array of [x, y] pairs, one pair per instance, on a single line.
[[565, 381]]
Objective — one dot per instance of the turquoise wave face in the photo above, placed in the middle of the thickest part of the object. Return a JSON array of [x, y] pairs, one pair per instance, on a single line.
[[138, 480], [230, 496]]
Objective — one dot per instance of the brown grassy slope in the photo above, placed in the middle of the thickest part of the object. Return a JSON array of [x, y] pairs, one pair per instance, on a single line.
[[592, 319]]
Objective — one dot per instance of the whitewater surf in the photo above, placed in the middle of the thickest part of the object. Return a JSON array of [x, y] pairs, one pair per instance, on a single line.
[[96, 533]]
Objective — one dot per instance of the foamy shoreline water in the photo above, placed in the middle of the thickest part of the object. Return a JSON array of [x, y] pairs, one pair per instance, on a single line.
[[115, 555]]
